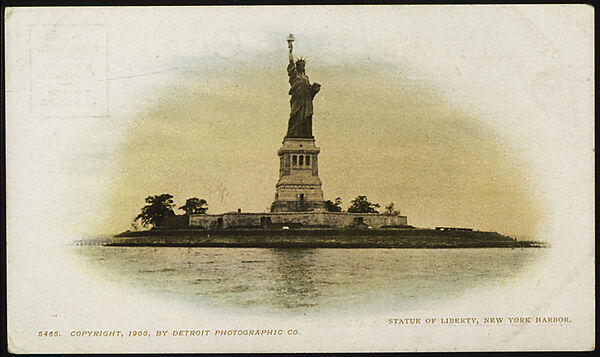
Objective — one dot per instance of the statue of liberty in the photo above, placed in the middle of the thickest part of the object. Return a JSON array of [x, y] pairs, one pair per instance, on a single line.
[[302, 92]]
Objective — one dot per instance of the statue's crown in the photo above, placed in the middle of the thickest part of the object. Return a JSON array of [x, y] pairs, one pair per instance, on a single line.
[[301, 60]]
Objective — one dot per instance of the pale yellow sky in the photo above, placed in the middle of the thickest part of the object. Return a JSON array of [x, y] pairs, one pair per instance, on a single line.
[[380, 134], [470, 116]]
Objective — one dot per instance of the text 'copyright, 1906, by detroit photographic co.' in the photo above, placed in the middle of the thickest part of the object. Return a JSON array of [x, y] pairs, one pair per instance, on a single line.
[[140, 333]]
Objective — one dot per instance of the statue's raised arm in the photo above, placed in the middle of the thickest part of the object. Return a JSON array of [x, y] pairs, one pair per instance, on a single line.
[[291, 54], [302, 92]]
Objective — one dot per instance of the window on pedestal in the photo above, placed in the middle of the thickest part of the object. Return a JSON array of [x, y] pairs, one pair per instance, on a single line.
[[307, 160], [294, 160], [301, 160]]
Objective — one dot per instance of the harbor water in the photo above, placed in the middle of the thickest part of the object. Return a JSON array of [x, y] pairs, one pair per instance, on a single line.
[[293, 281]]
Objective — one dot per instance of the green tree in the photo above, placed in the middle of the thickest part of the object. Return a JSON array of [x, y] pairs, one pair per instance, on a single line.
[[334, 206], [361, 205], [134, 226], [158, 208], [195, 205], [389, 209]]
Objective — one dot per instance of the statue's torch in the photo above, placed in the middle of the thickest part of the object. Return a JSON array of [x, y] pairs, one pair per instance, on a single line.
[[290, 39]]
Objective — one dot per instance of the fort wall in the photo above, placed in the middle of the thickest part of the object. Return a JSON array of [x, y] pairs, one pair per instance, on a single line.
[[296, 220]]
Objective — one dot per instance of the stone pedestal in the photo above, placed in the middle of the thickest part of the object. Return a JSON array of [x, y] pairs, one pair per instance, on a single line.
[[299, 186]]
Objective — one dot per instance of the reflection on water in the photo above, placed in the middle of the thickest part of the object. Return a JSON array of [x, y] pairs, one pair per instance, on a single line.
[[294, 278], [297, 280]]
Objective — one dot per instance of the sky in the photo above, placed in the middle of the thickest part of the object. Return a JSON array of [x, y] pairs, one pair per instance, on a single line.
[[469, 116]]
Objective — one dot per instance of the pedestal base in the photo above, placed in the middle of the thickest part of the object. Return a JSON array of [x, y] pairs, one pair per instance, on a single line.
[[297, 206]]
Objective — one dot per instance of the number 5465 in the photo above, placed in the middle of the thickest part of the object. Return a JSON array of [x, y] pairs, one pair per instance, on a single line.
[[48, 334]]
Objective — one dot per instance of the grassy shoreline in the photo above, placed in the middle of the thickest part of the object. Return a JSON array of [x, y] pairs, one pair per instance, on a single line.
[[320, 238]]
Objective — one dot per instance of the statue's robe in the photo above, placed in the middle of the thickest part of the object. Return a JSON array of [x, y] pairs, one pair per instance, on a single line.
[[302, 92]]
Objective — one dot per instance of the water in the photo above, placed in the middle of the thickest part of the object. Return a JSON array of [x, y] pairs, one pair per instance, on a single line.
[[298, 280]]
